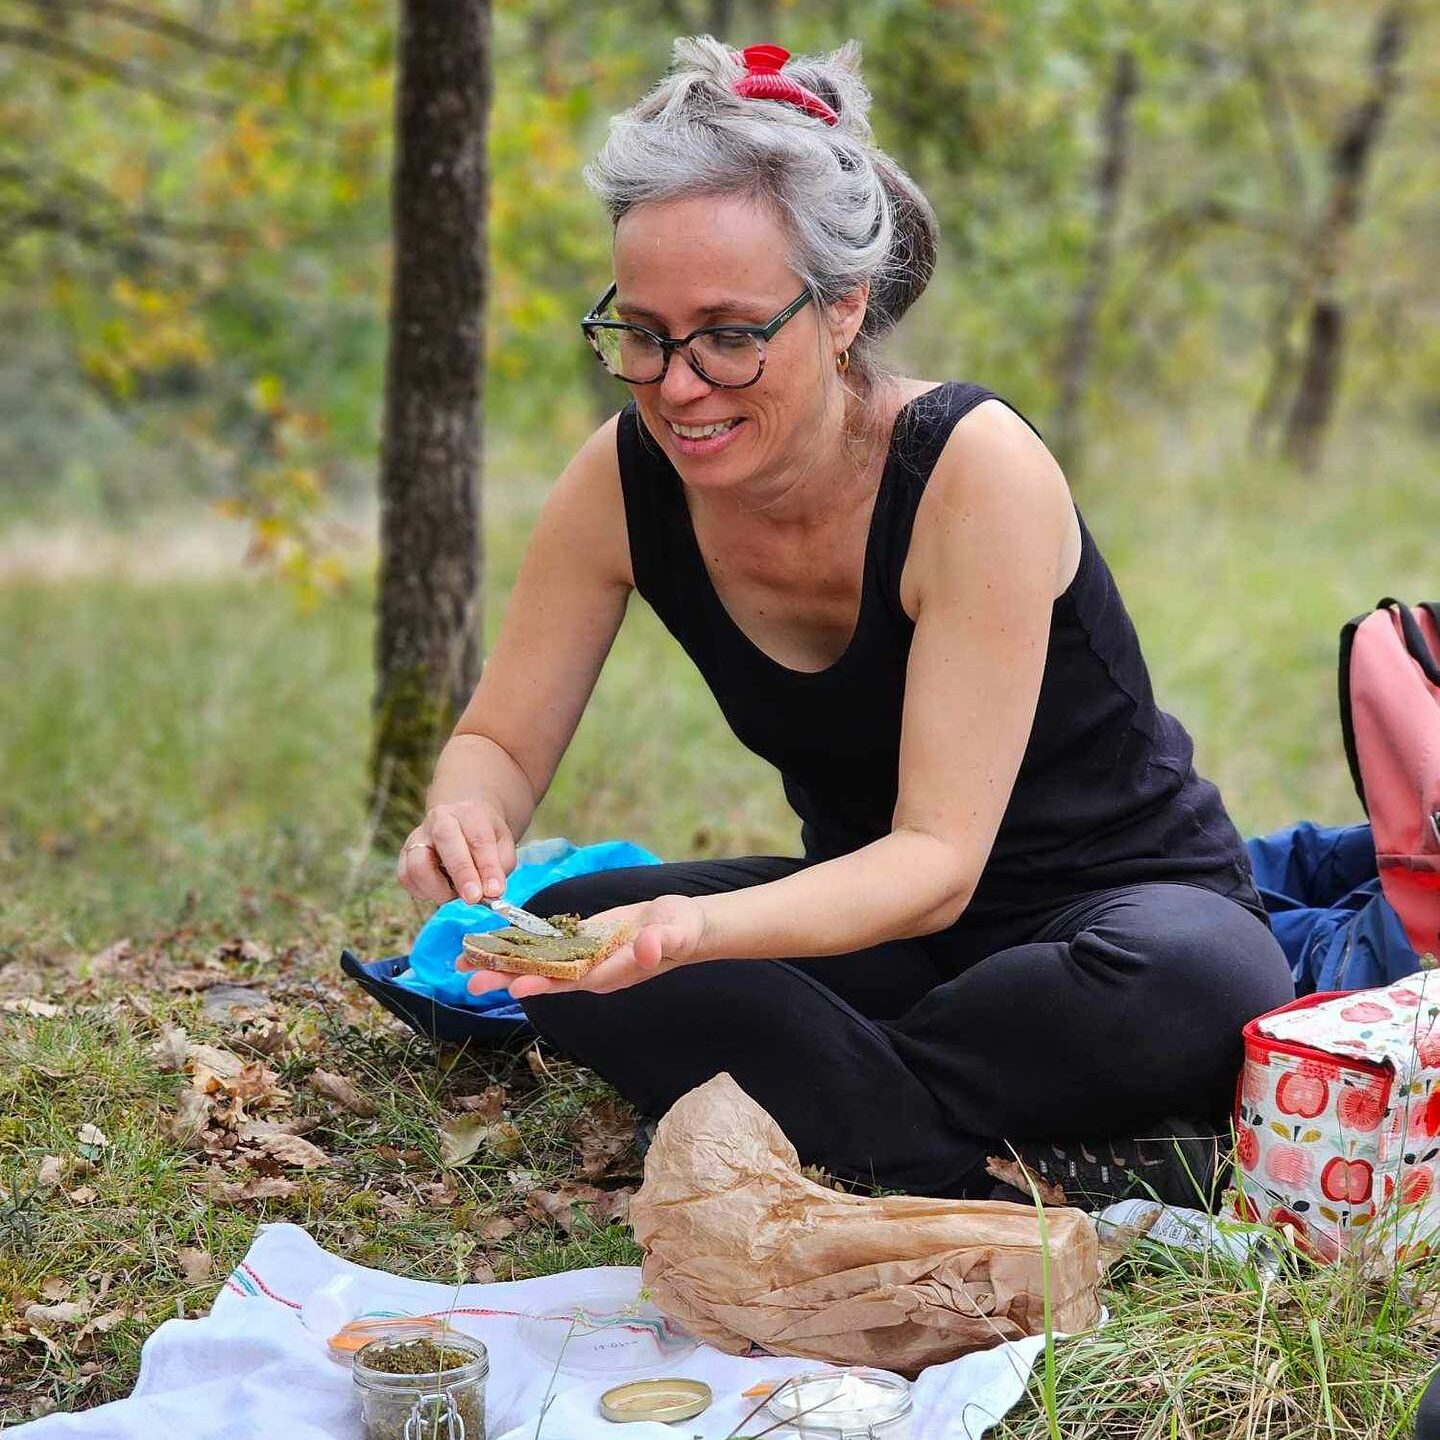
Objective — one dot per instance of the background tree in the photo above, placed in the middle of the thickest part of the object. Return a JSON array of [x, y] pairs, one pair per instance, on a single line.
[[1350, 160], [428, 601]]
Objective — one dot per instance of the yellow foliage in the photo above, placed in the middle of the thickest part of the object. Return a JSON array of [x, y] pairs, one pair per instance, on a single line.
[[267, 394]]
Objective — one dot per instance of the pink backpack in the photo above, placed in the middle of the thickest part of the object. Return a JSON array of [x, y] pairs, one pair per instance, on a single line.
[[1390, 718]]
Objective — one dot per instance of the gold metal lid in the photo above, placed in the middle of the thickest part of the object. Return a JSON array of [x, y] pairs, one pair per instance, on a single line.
[[656, 1400]]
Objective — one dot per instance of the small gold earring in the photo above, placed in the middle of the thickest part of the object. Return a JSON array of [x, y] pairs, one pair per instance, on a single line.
[[842, 361]]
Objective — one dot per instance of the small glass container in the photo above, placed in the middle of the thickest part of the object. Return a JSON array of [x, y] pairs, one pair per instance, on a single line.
[[426, 1404], [852, 1404]]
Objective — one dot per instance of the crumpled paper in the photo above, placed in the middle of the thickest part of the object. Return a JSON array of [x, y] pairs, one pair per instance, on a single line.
[[740, 1247]]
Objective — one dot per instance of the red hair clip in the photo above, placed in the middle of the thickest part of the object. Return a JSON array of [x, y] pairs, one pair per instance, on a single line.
[[762, 80]]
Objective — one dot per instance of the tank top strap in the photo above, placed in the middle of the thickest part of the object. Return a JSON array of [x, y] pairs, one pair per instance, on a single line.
[[655, 519], [922, 431]]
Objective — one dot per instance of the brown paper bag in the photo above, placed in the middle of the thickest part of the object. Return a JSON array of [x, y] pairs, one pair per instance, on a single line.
[[741, 1247]]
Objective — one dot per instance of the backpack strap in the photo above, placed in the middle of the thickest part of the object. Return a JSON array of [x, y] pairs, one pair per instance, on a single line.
[[1415, 641], [1347, 716], [1420, 651]]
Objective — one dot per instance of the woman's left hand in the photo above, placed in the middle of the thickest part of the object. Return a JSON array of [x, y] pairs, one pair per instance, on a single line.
[[669, 931]]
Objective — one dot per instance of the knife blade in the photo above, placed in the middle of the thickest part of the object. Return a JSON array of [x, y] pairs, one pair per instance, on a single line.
[[521, 919]]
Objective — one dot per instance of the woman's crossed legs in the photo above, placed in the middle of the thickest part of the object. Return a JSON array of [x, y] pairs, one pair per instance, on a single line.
[[904, 1064]]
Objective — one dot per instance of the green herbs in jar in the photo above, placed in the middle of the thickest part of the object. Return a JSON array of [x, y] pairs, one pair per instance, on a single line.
[[435, 1386]]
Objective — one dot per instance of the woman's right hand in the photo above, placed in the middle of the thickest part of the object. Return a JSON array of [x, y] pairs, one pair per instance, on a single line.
[[463, 849]]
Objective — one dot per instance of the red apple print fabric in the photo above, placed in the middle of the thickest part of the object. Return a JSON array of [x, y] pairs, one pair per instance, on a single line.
[[1337, 1120]]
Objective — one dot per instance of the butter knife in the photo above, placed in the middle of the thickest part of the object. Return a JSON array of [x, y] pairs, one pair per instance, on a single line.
[[521, 919]]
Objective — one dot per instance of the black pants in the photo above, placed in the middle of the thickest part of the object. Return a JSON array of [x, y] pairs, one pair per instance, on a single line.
[[905, 1063]]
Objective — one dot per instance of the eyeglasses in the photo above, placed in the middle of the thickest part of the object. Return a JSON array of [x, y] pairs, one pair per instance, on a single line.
[[730, 356]]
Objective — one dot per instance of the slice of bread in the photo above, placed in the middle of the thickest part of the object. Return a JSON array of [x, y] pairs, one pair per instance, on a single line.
[[570, 956]]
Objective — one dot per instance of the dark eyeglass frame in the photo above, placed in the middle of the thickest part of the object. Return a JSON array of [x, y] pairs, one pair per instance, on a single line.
[[763, 333]]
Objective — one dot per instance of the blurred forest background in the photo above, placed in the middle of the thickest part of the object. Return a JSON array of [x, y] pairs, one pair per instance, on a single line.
[[1197, 242]]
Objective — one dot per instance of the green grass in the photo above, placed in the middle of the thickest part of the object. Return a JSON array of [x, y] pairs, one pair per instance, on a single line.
[[182, 765], [1204, 1347]]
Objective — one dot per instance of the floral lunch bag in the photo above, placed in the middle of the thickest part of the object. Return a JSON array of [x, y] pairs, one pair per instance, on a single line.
[[1337, 1116]]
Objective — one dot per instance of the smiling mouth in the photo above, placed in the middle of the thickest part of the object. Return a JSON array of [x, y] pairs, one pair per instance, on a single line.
[[702, 432]]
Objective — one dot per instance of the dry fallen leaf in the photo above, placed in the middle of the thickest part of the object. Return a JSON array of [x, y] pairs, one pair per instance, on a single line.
[[440, 1192], [42, 1009], [613, 1206], [55, 1287], [256, 952], [482, 1273], [495, 1229], [1010, 1172], [566, 1204], [195, 1264], [82, 1196], [257, 1082], [604, 1133], [101, 1324], [463, 1135], [278, 1143], [222, 1063], [172, 1049], [234, 1087], [345, 1093], [93, 1137], [268, 1187], [506, 1140], [52, 1170], [192, 1115], [522, 1182], [489, 1104], [20, 982], [555, 1206], [67, 1312], [111, 958]]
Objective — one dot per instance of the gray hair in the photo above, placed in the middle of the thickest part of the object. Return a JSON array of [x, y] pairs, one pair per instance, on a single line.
[[851, 212]]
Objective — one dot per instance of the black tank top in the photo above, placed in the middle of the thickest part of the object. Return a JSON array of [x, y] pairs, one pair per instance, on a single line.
[[1106, 794]]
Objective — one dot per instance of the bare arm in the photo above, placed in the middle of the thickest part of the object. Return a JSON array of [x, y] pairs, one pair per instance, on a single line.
[[560, 621]]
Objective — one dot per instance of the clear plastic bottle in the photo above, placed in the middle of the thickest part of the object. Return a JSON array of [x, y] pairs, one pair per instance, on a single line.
[[1179, 1228]]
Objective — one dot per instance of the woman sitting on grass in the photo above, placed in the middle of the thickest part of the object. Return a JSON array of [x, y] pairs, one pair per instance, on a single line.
[[1020, 914]]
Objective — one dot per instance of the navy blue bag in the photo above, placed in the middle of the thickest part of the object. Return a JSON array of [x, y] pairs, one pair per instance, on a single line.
[[423, 989], [1321, 888]]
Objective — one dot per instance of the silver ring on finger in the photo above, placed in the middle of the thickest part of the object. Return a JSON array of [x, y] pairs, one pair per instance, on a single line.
[[417, 845]]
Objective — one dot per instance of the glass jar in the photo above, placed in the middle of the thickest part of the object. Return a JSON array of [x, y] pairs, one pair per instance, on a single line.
[[852, 1404], [425, 1404]]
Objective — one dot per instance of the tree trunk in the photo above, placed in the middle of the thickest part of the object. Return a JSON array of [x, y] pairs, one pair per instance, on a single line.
[[427, 654], [1350, 157], [1080, 334], [721, 16]]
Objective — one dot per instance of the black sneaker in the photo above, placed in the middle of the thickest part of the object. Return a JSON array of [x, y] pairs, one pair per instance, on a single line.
[[1177, 1164]]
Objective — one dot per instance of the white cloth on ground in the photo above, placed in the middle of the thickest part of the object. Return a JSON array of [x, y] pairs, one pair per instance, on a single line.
[[252, 1367]]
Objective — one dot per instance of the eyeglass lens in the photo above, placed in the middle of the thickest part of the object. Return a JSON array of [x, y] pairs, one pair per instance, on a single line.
[[727, 357]]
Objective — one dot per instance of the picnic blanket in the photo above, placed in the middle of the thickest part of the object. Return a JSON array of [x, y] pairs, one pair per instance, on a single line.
[[254, 1367]]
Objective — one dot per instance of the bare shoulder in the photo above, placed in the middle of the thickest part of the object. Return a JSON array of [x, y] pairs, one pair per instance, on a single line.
[[583, 517], [995, 479]]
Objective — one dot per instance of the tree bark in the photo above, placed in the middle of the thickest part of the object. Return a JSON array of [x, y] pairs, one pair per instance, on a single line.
[[721, 15], [1350, 158], [428, 620], [1080, 334]]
